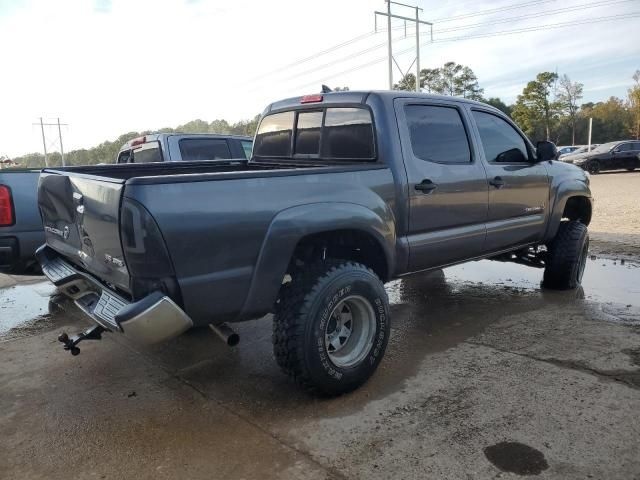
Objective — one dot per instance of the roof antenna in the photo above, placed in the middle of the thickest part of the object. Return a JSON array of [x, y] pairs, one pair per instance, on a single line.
[[326, 89]]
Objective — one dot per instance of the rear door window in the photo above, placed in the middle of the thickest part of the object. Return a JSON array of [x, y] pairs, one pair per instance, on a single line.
[[194, 149], [437, 134]]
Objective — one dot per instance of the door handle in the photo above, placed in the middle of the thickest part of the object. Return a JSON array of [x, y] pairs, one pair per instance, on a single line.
[[426, 186], [497, 182]]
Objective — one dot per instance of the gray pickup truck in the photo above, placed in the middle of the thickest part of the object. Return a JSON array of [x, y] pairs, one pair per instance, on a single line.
[[184, 147], [21, 232], [344, 192]]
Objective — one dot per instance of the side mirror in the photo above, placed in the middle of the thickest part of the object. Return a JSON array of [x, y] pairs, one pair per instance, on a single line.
[[546, 151]]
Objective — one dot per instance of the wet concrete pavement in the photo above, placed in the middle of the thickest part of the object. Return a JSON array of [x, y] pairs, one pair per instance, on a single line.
[[486, 376]]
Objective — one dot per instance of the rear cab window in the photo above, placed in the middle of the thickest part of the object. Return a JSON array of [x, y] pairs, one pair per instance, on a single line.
[[124, 156], [247, 146], [192, 149], [325, 133], [146, 153]]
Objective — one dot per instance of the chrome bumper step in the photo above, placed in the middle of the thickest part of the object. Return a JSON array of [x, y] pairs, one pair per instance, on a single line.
[[152, 319]]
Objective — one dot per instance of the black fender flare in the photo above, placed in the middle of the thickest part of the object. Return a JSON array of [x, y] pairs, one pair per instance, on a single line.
[[289, 226], [560, 195]]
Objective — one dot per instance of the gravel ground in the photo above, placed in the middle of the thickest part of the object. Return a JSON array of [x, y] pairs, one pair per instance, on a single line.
[[615, 228]]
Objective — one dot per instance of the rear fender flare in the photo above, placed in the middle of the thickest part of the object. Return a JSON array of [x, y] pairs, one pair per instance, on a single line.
[[291, 225]]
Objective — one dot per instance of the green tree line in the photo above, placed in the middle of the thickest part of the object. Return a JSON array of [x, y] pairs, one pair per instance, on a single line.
[[548, 108], [107, 151]]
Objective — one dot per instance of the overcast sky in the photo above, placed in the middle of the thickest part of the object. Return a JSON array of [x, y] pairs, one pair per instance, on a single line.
[[107, 67]]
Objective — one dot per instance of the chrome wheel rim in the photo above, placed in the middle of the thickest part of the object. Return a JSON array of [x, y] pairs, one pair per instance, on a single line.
[[350, 331]]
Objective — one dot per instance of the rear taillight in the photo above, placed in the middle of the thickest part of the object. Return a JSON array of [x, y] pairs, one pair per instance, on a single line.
[[144, 249], [6, 207], [145, 253], [311, 99]]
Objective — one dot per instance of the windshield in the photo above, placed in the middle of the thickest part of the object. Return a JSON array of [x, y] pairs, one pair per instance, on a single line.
[[605, 147]]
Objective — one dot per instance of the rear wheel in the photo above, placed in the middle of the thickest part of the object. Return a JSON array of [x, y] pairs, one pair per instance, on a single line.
[[331, 328], [567, 257]]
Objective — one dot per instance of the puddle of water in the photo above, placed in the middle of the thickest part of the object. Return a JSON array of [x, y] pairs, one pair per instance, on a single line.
[[515, 457], [604, 280], [23, 303]]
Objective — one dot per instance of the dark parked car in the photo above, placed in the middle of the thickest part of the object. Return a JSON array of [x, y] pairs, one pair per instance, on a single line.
[[619, 155], [344, 192], [565, 150]]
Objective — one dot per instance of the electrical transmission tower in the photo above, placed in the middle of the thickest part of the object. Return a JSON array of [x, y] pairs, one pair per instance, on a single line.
[[44, 139], [417, 22]]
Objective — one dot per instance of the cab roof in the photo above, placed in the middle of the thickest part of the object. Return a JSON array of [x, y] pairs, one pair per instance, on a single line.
[[360, 96]]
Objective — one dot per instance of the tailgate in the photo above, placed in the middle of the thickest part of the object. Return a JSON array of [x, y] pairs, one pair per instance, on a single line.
[[81, 221]]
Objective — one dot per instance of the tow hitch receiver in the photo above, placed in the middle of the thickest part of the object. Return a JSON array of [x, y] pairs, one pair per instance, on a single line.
[[70, 343]]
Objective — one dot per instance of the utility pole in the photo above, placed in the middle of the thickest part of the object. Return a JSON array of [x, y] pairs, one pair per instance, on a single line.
[[417, 21], [417, 50], [389, 42], [44, 143], [61, 147], [590, 127], [44, 139]]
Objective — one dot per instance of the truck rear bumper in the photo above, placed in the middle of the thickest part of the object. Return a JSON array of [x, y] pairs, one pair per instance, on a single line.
[[153, 319]]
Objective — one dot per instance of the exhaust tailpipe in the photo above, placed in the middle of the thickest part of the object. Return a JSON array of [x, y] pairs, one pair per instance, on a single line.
[[226, 333]]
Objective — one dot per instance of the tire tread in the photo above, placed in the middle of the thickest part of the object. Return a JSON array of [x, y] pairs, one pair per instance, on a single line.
[[289, 320], [564, 254]]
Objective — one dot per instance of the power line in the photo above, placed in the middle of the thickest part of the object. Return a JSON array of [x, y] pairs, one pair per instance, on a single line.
[[300, 61], [303, 60], [492, 10], [369, 34], [537, 28], [343, 59], [466, 27], [469, 37], [601, 3]]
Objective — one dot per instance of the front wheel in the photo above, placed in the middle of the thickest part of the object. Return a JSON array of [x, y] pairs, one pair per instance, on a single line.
[[331, 329], [593, 167], [567, 256]]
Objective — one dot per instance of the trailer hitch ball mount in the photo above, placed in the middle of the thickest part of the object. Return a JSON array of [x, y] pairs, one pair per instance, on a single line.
[[71, 343]]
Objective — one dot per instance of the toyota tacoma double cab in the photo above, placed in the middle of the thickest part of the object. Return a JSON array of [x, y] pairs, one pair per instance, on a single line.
[[343, 193]]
